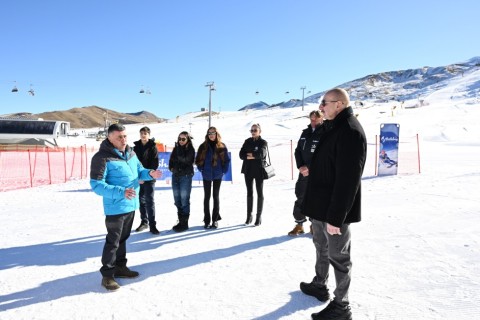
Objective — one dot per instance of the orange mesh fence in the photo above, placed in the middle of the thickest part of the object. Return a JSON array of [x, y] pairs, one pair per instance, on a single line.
[[35, 166]]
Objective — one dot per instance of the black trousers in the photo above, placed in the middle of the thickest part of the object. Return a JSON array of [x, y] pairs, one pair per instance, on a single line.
[[147, 202], [115, 249], [258, 186], [207, 188], [300, 189]]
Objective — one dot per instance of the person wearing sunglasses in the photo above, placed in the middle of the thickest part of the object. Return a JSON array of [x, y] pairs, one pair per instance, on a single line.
[[303, 155], [212, 161], [333, 201], [181, 166], [254, 154], [147, 152]]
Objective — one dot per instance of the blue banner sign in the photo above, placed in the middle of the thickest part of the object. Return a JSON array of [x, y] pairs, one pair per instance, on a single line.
[[164, 158], [388, 156]]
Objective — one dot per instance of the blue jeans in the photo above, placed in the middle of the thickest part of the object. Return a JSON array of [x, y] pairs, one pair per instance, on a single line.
[[182, 186]]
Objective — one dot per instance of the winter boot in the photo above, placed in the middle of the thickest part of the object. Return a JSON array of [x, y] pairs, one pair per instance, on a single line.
[[206, 220], [153, 228], [318, 291], [141, 227], [296, 231], [125, 272], [258, 220], [110, 284], [178, 221], [335, 311], [249, 210], [182, 224]]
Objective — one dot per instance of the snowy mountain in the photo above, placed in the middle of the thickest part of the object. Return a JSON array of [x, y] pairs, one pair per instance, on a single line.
[[416, 253], [412, 86]]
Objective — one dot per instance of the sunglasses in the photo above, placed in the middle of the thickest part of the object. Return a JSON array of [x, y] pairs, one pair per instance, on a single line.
[[254, 130], [182, 139], [324, 103], [212, 133]]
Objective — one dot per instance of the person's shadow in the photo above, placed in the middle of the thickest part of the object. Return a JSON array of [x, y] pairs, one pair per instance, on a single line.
[[298, 301], [74, 250]]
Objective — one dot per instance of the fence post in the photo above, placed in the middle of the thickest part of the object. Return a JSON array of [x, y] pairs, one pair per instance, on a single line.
[[73, 162], [376, 154], [49, 169], [30, 164], [81, 162], [418, 152], [86, 162], [65, 164], [291, 157]]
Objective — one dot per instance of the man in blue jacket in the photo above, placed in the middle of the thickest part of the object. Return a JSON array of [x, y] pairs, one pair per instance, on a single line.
[[115, 172]]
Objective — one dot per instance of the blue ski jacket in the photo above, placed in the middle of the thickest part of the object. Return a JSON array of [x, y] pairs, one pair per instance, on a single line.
[[111, 173]]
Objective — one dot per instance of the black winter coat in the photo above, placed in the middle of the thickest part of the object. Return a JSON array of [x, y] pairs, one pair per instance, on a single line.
[[181, 160], [333, 192], [254, 168], [306, 145], [147, 154]]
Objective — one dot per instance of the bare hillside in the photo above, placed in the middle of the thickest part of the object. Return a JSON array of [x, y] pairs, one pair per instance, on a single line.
[[93, 116]]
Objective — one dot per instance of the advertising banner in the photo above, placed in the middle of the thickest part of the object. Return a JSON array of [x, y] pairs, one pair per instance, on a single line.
[[388, 156], [164, 158]]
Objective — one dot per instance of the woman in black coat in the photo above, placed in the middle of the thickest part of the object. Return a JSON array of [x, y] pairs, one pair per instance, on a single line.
[[181, 166], [254, 153]]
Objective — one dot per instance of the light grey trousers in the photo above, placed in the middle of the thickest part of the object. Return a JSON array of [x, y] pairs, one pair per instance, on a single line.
[[334, 250]]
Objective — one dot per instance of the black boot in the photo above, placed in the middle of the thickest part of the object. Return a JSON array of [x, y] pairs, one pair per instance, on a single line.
[[206, 220], [182, 224], [215, 218], [258, 220], [249, 210], [153, 228]]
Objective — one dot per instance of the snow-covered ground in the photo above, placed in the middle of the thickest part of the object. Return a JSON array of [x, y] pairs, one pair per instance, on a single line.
[[416, 253]]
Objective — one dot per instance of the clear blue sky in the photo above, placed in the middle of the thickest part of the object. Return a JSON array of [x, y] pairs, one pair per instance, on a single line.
[[82, 53]]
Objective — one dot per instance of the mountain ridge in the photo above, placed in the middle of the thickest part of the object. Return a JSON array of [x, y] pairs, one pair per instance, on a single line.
[[410, 86]]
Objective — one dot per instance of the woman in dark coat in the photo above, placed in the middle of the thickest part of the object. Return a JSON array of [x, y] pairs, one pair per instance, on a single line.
[[181, 166], [213, 161], [254, 153]]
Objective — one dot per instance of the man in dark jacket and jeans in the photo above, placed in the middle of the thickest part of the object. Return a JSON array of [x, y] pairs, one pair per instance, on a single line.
[[333, 201], [147, 153], [303, 155]]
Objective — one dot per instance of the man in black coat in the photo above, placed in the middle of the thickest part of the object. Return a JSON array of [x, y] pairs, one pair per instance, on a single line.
[[333, 200], [147, 153], [303, 155]]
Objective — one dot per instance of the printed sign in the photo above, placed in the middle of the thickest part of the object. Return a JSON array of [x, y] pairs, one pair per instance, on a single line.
[[388, 156], [164, 158]]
